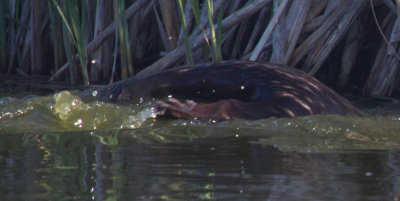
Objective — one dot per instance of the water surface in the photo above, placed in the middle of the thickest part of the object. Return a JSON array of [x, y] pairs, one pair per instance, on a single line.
[[55, 147]]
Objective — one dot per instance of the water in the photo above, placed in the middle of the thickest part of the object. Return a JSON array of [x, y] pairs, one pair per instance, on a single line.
[[54, 147]]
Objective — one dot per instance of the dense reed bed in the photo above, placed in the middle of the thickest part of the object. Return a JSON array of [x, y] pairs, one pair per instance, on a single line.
[[347, 44]]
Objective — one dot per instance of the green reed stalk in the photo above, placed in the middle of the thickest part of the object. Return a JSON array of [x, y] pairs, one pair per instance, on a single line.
[[126, 67], [196, 10], [196, 13], [56, 34], [189, 56], [219, 33], [216, 49], [79, 26], [74, 18], [70, 53]]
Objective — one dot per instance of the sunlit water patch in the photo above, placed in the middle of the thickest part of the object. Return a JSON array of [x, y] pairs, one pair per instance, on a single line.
[[65, 111]]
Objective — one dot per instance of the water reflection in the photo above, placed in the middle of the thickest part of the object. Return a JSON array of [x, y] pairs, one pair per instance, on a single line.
[[124, 165]]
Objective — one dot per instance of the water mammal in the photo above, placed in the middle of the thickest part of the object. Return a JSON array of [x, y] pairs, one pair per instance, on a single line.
[[231, 90]]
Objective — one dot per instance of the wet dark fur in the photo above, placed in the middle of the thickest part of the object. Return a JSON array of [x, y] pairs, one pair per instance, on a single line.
[[231, 90]]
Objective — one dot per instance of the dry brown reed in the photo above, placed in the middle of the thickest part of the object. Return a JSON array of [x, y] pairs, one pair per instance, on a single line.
[[347, 44]]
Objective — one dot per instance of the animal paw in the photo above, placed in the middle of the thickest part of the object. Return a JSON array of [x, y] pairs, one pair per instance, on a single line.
[[176, 108]]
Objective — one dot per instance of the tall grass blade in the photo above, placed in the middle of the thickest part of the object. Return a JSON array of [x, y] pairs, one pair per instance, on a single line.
[[196, 10], [68, 45], [126, 62], [56, 35], [74, 18], [81, 32], [64, 18], [189, 56], [197, 17], [217, 56], [218, 36]]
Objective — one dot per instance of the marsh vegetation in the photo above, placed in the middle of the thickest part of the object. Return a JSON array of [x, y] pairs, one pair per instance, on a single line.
[[347, 44]]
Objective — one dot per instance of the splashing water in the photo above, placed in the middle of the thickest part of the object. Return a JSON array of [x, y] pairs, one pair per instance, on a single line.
[[66, 111]]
